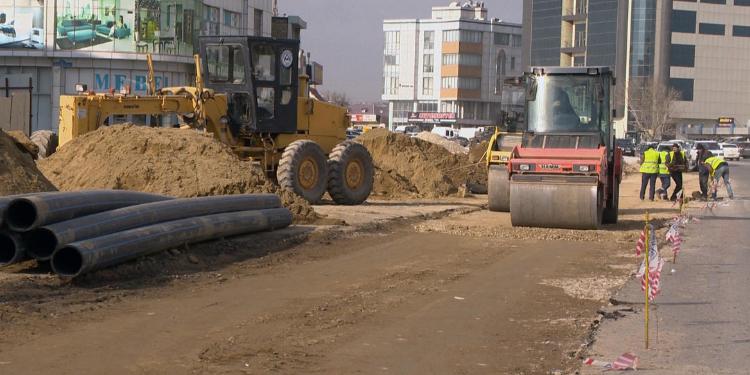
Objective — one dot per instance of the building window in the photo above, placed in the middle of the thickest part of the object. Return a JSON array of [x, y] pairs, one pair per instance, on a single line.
[[391, 62], [512, 63], [258, 22], [211, 16], [465, 59], [427, 107], [233, 20], [684, 86], [461, 83], [682, 55], [427, 86], [401, 111], [711, 28], [502, 39], [580, 35], [391, 85], [500, 72], [741, 31], [683, 21], [428, 63], [743, 3], [516, 41], [466, 36], [429, 40], [714, 1]]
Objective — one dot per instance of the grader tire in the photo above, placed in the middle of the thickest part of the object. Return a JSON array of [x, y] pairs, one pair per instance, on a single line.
[[351, 173], [303, 170], [612, 211], [47, 142]]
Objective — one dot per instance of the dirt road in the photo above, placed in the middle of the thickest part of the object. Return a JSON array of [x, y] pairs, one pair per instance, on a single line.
[[459, 294]]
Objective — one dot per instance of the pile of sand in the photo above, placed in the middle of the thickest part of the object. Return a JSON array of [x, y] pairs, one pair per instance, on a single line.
[[24, 143], [18, 173], [179, 163], [452, 147], [477, 152], [411, 167]]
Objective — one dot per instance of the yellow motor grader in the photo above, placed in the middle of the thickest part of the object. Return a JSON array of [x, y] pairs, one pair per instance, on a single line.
[[253, 94]]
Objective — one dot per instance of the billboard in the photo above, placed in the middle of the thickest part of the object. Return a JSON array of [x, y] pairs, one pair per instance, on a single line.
[[137, 26], [22, 24], [432, 117], [726, 122], [362, 117]]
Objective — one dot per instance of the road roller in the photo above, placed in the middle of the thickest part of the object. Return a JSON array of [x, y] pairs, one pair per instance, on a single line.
[[498, 155], [567, 171]]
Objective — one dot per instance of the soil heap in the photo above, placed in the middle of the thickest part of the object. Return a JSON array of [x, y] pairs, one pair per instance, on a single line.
[[452, 147], [175, 162], [411, 167], [477, 152], [24, 143], [18, 173]]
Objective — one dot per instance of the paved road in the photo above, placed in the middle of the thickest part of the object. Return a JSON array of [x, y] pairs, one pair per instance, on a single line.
[[703, 324]]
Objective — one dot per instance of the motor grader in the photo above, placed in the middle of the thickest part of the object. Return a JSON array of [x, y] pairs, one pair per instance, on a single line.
[[253, 94], [567, 170]]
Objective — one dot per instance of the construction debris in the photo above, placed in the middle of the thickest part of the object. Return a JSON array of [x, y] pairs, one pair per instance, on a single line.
[[173, 162], [18, 173], [410, 167]]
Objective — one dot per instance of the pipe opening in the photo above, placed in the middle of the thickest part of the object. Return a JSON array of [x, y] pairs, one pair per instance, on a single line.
[[21, 215], [8, 249], [67, 261], [41, 243]]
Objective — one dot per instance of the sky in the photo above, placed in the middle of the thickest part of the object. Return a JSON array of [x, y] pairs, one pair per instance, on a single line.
[[346, 37]]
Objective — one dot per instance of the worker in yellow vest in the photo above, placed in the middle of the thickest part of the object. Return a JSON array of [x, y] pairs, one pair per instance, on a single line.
[[677, 163], [719, 169], [664, 175], [649, 171]]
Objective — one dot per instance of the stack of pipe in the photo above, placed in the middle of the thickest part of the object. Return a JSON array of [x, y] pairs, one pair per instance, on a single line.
[[84, 231]]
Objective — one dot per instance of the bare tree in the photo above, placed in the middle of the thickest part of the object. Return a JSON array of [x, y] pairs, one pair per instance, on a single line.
[[338, 98], [651, 106]]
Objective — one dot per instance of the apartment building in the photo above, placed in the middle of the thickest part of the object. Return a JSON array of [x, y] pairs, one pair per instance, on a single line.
[[450, 69]]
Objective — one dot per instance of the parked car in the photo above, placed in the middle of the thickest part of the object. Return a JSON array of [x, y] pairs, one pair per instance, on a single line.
[[712, 146], [642, 147], [627, 145], [744, 149], [731, 151]]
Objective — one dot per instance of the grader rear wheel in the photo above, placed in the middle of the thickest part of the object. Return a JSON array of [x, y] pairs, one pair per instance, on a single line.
[[351, 173], [303, 170]]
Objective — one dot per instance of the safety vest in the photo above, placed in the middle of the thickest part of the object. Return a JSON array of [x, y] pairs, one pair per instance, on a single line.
[[663, 162], [715, 162], [650, 161]]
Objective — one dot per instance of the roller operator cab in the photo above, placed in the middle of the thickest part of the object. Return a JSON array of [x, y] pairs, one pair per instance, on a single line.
[[299, 139], [567, 170]]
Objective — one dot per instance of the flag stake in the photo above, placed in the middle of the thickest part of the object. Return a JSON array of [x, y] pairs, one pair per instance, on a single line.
[[648, 269]]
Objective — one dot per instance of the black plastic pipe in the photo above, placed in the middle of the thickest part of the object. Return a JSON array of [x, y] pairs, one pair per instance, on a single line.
[[12, 248], [5, 201], [43, 241], [27, 213], [84, 256]]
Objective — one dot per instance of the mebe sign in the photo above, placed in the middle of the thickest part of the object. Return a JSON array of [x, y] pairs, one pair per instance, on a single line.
[[103, 82]]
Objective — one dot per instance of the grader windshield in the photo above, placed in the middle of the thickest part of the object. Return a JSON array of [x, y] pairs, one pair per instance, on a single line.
[[569, 103]]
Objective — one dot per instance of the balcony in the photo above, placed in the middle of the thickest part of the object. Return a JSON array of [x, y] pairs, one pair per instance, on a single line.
[[573, 48], [573, 15]]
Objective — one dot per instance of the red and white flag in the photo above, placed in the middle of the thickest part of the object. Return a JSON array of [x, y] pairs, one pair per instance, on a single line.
[[641, 244], [655, 266], [627, 361], [674, 238]]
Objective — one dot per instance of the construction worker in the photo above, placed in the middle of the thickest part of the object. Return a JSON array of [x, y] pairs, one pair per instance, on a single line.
[[649, 171], [703, 172], [719, 169], [664, 175], [677, 164]]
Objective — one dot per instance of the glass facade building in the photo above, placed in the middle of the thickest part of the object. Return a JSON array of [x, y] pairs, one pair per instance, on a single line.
[[642, 38]]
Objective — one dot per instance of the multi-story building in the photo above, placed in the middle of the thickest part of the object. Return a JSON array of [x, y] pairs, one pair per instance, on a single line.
[[693, 47], [709, 54], [55, 44], [450, 69]]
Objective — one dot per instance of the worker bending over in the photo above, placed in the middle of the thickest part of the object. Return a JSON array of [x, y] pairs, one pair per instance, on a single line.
[[719, 169], [664, 175]]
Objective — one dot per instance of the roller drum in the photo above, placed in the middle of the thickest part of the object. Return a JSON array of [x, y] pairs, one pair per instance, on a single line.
[[555, 204]]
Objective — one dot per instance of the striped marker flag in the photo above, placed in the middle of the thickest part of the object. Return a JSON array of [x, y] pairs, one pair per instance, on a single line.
[[656, 263]]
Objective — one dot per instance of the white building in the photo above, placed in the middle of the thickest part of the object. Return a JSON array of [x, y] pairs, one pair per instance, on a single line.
[[56, 44], [450, 69]]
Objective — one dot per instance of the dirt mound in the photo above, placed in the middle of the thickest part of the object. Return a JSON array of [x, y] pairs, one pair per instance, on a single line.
[[180, 163], [452, 147], [476, 152], [373, 133], [24, 143], [18, 173], [411, 167]]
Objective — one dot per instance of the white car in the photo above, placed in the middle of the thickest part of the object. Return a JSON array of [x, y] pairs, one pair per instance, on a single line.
[[731, 151], [712, 146]]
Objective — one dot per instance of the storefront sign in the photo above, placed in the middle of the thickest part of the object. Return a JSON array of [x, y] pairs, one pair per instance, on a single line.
[[105, 81], [432, 117], [726, 122], [362, 117]]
